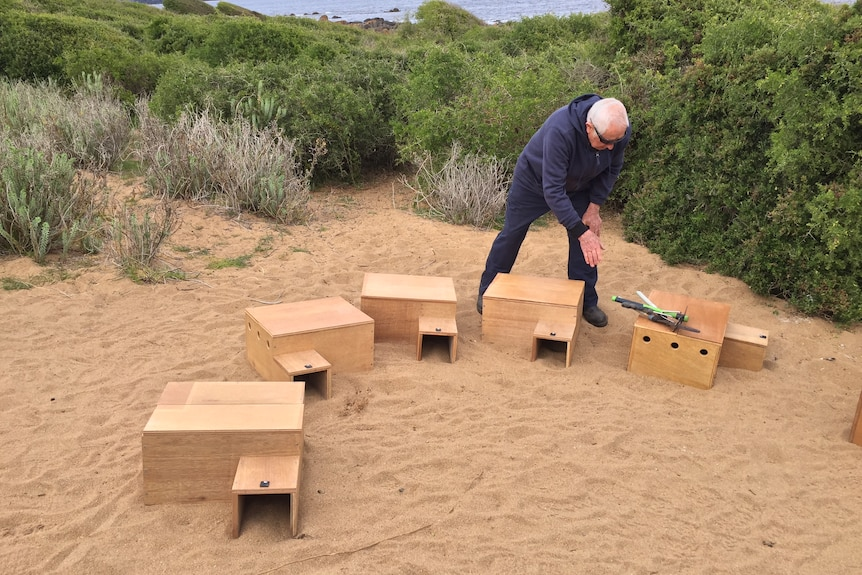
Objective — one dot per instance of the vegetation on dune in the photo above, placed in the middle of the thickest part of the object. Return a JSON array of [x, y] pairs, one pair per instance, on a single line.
[[746, 117]]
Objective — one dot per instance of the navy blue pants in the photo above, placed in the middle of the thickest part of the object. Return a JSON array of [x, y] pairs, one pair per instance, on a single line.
[[523, 207]]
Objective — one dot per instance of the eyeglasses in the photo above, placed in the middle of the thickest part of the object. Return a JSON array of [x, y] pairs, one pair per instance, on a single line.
[[606, 142]]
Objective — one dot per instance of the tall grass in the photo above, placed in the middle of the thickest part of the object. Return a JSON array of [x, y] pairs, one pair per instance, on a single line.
[[466, 189], [202, 158], [89, 126], [135, 236]]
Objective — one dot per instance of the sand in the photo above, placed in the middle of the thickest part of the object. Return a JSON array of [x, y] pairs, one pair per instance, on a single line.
[[491, 464]]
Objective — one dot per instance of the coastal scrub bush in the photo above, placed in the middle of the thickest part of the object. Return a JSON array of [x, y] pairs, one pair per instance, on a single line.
[[193, 7], [466, 189], [250, 40], [347, 103], [436, 19], [174, 35], [539, 33], [758, 177], [89, 126], [33, 45], [488, 102], [135, 235], [202, 158], [130, 73], [229, 9], [45, 205]]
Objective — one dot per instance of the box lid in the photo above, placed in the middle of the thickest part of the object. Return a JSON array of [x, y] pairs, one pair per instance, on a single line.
[[308, 316], [408, 287]]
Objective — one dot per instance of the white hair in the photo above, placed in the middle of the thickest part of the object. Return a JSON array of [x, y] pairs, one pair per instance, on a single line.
[[607, 113]]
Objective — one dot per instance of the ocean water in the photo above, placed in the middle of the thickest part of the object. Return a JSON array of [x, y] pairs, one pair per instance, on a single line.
[[489, 11]]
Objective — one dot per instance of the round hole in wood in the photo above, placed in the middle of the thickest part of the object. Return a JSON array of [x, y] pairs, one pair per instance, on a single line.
[[674, 345], [704, 352], [646, 339]]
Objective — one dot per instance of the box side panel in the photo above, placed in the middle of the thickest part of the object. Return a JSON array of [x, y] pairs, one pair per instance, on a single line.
[[856, 429], [347, 349], [259, 349], [200, 466], [398, 320], [231, 393], [512, 322], [674, 357], [742, 355], [744, 347]]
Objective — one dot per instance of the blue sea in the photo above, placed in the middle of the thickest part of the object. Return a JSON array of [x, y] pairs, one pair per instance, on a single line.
[[490, 11]]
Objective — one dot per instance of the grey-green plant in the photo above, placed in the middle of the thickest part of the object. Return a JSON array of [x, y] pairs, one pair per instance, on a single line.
[[203, 158], [466, 189], [90, 125], [46, 205], [260, 109], [136, 234]]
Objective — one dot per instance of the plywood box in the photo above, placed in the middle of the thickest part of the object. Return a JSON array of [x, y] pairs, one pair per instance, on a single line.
[[332, 327], [856, 429], [744, 347], [396, 302], [683, 356], [232, 392], [191, 452], [513, 305]]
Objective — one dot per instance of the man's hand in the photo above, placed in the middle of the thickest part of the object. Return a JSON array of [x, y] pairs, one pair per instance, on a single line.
[[592, 247], [592, 219]]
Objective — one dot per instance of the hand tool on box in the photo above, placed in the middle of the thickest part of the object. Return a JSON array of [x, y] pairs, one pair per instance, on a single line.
[[672, 319]]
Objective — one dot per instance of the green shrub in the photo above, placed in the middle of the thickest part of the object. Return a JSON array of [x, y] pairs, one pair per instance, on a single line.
[[444, 21], [32, 46], [130, 73], [346, 103], [537, 34], [193, 7], [490, 103], [758, 176], [175, 35], [250, 40], [229, 9]]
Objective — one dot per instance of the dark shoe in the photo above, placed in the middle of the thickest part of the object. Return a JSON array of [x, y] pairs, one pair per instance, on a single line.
[[479, 304], [595, 316]]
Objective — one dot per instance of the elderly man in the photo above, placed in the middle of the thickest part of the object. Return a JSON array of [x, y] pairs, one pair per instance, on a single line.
[[568, 167]]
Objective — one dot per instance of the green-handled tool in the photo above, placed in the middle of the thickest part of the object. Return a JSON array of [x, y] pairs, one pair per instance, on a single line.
[[673, 319]]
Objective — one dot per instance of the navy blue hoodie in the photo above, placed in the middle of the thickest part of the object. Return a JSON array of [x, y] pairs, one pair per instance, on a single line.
[[559, 161]]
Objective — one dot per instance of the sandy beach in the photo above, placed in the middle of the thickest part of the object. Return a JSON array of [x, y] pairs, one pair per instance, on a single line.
[[491, 464]]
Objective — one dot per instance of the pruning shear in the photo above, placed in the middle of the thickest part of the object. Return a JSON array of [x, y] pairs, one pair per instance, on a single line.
[[672, 319]]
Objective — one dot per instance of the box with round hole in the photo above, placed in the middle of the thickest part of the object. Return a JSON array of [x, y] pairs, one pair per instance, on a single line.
[[683, 356], [332, 327]]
